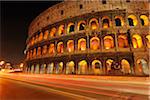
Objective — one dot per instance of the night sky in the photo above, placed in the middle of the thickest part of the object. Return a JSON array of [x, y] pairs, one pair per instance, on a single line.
[[15, 19]]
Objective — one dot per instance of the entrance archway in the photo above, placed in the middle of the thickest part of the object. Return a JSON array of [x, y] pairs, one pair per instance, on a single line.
[[142, 67], [82, 67], [32, 69], [42, 69], [109, 63], [59, 68], [70, 67], [50, 68], [97, 67], [37, 69], [125, 66]]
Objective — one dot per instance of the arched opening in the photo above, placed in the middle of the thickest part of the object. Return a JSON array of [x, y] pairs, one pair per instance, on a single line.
[[94, 23], [97, 67], [36, 38], [37, 69], [61, 30], [59, 68], [34, 52], [31, 53], [53, 32], [94, 43], [81, 25], [70, 45], [109, 65], [125, 66], [105, 23], [44, 51], [142, 66], [46, 34], [119, 21], [82, 44], [70, 67], [137, 41], [148, 41], [108, 42], [41, 37], [60, 47], [51, 49], [122, 41], [82, 67], [39, 51], [32, 40], [32, 69], [71, 27], [50, 68], [144, 20], [43, 69], [132, 20]]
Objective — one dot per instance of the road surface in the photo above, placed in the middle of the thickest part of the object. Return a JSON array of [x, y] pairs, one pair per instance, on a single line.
[[39, 87]]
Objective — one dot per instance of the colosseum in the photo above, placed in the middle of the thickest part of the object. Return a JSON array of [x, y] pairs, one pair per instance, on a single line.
[[90, 37]]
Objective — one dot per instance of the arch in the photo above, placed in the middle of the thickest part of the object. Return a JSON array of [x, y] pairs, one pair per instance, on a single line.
[[34, 52], [97, 67], [44, 51], [59, 68], [39, 51], [32, 69], [81, 25], [125, 66], [122, 41], [148, 40], [36, 38], [32, 40], [70, 67], [40, 37], [93, 23], [132, 20], [119, 21], [61, 30], [82, 67], [46, 33], [105, 22], [70, 45], [142, 66], [43, 69], [53, 32], [50, 68], [51, 48], [137, 41], [82, 44], [71, 28], [144, 20], [94, 43], [31, 52], [60, 47], [37, 69], [108, 42], [109, 63]]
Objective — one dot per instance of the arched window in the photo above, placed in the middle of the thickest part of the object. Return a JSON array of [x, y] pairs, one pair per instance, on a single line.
[[39, 51], [125, 66], [36, 38], [51, 49], [70, 67], [94, 23], [44, 51], [71, 27], [122, 41], [82, 44], [32, 41], [97, 67], [148, 40], [53, 32], [61, 30], [144, 20], [94, 43], [59, 68], [70, 45], [81, 25], [119, 21], [34, 52], [105, 22], [108, 42], [137, 41], [82, 67], [142, 66], [31, 52], [41, 36], [60, 47], [132, 20], [46, 34]]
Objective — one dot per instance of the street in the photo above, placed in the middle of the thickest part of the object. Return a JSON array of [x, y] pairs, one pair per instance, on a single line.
[[55, 87]]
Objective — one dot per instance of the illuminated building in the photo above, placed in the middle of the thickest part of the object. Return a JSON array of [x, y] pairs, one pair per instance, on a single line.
[[102, 37]]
